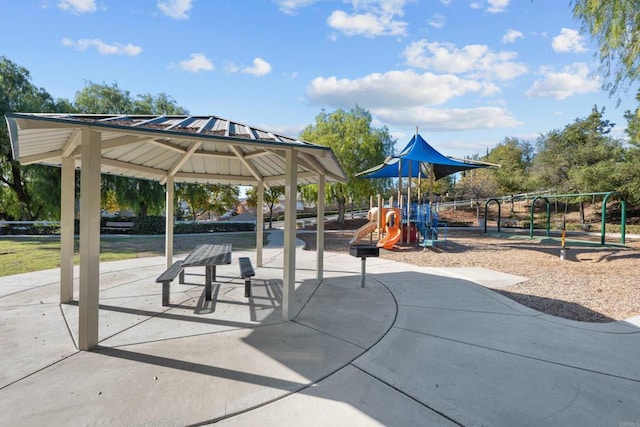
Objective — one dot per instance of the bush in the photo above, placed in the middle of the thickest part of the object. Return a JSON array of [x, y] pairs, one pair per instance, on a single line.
[[30, 228], [211, 227], [148, 225]]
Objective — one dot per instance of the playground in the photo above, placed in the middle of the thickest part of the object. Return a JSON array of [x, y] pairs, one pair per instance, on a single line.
[[594, 283]]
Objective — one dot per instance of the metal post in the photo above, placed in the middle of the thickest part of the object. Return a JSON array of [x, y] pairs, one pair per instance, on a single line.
[[364, 271]]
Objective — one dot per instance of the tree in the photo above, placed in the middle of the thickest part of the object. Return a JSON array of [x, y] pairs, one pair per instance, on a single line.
[[515, 158], [145, 197], [581, 158], [142, 195], [628, 172], [615, 25], [477, 184], [357, 145], [202, 198], [223, 197], [271, 197], [28, 192]]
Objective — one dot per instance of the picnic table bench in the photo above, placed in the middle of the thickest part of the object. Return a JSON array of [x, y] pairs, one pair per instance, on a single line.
[[117, 226], [167, 277], [509, 222], [246, 272], [207, 256]]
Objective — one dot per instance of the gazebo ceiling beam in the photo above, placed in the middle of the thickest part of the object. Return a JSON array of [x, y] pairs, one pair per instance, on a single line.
[[73, 141], [257, 154], [218, 154], [223, 179], [310, 163], [167, 145], [246, 163], [283, 177], [133, 167], [41, 157], [182, 160]]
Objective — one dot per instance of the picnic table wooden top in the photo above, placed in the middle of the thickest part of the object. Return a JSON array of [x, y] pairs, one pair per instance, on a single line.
[[209, 255]]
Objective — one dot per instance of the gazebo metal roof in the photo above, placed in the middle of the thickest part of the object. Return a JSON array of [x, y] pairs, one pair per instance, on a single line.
[[203, 149]]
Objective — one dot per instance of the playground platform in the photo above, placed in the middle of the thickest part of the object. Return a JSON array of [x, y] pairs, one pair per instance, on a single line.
[[416, 346]]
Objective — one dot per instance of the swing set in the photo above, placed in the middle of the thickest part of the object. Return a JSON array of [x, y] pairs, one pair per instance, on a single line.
[[607, 195]]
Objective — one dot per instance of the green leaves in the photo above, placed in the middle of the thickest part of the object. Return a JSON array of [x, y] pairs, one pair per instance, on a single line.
[[615, 25], [357, 145]]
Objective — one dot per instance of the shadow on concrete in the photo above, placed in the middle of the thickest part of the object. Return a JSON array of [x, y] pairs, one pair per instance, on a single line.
[[559, 308], [198, 368]]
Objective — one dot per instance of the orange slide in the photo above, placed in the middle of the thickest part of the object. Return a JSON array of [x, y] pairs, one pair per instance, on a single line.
[[394, 232], [363, 231]]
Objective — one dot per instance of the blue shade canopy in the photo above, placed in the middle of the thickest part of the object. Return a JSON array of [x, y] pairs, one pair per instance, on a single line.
[[389, 169], [418, 151]]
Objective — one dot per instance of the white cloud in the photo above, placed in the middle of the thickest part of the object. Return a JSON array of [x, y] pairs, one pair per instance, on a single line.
[[102, 47], [472, 60], [571, 80], [493, 6], [445, 2], [568, 41], [437, 21], [290, 7], [78, 6], [366, 24], [511, 36], [176, 9], [453, 119], [198, 62], [260, 68], [497, 6], [370, 18], [392, 89]]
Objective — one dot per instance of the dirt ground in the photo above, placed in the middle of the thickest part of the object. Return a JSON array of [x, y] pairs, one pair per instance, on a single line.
[[593, 283]]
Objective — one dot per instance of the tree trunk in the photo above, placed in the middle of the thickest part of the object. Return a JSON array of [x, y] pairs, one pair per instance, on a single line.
[[581, 212], [270, 216], [143, 210], [341, 209], [24, 198]]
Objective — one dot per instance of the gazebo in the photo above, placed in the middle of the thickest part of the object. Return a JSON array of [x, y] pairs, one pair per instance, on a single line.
[[167, 149]]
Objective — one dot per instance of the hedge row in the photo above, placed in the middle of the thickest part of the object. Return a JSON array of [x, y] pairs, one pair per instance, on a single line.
[[146, 225]]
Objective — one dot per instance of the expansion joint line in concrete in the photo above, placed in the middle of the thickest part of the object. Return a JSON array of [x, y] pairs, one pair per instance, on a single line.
[[466, 310], [538, 359], [442, 414]]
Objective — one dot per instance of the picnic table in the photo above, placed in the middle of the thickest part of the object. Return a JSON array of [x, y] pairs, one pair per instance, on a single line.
[[208, 256]]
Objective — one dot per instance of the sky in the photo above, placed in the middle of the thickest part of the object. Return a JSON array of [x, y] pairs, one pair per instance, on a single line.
[[465, 73]]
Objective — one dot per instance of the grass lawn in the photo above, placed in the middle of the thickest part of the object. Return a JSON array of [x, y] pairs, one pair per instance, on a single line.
[[21, 254]]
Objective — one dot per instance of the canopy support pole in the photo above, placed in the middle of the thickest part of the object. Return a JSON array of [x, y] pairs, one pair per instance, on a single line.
[[320, 230], [67, 213], [88, 304], [259, 223], [169, 208], [289, 276]]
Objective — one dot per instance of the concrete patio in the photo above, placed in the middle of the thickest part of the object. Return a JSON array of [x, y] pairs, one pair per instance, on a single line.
[[416, 346]]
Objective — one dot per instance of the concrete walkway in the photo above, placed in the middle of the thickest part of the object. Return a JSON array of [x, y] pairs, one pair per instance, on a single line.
[[416, 346]]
